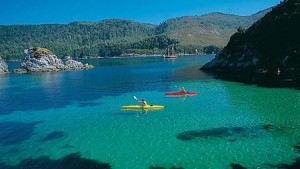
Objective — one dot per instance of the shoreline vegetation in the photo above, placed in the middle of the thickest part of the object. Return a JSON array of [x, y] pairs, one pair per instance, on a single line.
[[119, 57], [38, 59], [206, 34], [256, 51], [270, 48]]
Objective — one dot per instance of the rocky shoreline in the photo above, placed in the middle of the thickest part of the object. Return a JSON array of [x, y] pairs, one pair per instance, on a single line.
[[43, 60], [3, 67], [267, 50]]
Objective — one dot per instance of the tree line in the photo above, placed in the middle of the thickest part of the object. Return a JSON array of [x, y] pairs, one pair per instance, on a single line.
[[107, 38]]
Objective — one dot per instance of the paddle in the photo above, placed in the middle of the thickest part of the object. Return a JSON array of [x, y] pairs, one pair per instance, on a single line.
[[136, 98], [178, 88]]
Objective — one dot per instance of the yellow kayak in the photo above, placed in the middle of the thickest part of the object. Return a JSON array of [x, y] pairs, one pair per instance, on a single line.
[[143, 107]]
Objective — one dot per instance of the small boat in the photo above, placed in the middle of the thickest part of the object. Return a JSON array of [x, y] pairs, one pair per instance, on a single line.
[[170, 54], [180, 93], [143, 107]]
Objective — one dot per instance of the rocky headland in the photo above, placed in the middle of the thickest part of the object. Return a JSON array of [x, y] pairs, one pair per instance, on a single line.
[[271, 46], [43, 60], [3, 67]]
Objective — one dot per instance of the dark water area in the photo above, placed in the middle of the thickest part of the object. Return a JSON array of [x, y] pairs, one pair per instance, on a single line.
[[12, 133], [54, 135], [223, 132], [237, 166], [72, 161], [261, 80]]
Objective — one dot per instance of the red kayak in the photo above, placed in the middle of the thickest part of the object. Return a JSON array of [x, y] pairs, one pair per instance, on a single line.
[[181, 93]]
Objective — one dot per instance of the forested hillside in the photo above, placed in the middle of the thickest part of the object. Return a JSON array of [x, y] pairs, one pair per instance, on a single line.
[[75, 39], [115, 37], [210, 29], [271, 44]]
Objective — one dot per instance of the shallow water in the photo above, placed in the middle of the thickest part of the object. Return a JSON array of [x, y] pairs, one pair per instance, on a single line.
[[55, 114]]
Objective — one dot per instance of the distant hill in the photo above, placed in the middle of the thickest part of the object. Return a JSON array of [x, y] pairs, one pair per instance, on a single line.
[[270, 45], [76, 38], [259, 14], [114, 37], [210, 29]]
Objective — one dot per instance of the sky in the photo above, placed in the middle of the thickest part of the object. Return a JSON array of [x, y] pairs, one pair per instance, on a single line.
[[147, 11]]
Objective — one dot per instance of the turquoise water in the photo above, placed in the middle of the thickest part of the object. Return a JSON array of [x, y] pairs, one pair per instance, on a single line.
[[55, 114]]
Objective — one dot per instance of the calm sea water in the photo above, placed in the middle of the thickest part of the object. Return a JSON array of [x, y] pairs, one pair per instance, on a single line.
[[52, 115]]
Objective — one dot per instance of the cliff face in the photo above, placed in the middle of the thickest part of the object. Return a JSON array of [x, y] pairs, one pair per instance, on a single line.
[[269, 45], [3, 67], [43, 60]]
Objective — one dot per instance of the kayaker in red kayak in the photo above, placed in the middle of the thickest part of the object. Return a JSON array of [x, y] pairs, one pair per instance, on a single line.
[[183, 90]]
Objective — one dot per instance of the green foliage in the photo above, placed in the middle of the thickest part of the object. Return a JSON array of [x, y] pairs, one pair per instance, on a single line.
[[159, 41], [210, 29], [212, 49], [115, 37], [75, 39], [274, 39]]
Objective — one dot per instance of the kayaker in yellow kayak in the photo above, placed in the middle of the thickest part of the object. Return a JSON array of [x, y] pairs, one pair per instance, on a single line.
[[144, 103]]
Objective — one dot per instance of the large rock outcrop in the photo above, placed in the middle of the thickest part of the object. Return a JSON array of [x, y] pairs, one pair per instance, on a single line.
[[43, 60], [3, 67], [270, 45]]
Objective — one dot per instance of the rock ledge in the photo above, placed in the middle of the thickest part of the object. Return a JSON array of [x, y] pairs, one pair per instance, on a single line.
[[43, 60]]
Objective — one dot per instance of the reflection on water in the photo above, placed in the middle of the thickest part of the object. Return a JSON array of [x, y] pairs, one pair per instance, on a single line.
[[123, 61], [192, 73], [181, 97], [263, 80], [136, 112]]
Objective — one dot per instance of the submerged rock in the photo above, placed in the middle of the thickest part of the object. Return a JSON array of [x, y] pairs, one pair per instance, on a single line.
[[3, 67], [14, 133], [43, 60], [237, 166], [297, 147], [294, 165], [53, 135], [71, 161], [66, 146], [223, 132], [159, 167]]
